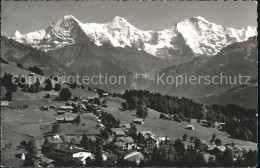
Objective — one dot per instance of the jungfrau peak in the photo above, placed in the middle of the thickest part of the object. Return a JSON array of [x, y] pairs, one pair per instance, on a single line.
[[200, 35]]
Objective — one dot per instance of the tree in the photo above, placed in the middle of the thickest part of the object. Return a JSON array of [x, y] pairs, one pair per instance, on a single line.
[[213, 138], [192, 138], [132, 130], [251, 158], [32, 88], [198, 144], [218, 142], [89, 89], [65, 94], [8, 96], [31, 147], [96, 101], [98, 153], [29, 161], [104, 101], [141, 111], [84, 140], [24, 144], [104, 134], [48, 86], [77, 120], [227, 158], [56, 128], [57, 87], [75, 108], [124, 105], [184, 137], [73, 85]]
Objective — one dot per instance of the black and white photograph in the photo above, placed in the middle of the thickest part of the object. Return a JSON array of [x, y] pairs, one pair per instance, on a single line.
[[106, 83]]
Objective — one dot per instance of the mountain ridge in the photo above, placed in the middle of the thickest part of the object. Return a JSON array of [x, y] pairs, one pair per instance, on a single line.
[[204, 37]]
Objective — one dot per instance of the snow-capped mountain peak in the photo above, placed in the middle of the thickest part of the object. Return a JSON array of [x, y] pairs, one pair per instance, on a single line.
[[202, 36]]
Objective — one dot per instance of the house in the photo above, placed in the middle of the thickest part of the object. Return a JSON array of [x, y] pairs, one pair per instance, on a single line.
[[65, 119], [60, 112], [117, 132], [45, 108], [5, 104], [53, 95], [83, 156], [47, 146], [72, 139], [149, 140], [222, 124], [31, 74], [125, 143], [91, 99], [166, 116], [66, 108], [63, 153], [190, 127], [105, 94], [139, 121], [125, 126], [162, 139], [134, 156], [215, 150]]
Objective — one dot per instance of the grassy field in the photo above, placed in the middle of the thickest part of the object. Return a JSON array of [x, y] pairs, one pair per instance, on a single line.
[[23, 124], [172, 129]]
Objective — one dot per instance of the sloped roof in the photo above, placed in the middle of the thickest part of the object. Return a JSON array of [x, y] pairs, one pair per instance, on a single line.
[[127, 126], [116, 129], [125, 139], [134, 156]]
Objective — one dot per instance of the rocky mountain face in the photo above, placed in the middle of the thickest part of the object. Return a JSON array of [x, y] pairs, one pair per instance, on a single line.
[[195, 35], [193, 46]]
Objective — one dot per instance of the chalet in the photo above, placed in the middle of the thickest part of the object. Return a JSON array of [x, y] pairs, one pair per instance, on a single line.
[[47, 146], [91, 99], [222, 124], [83, 156], [31, 74], [176, 118], [61, 112], [5, 104], [134, 157], [53, 95], [162, 139], [125, 126], [105, 94], [63, 153], [65, 119], [66, 108], [45, 108], [139, 121], [190, 127], [72, 139], [166, 116], [215, 150], [117, 132], [125, 143]]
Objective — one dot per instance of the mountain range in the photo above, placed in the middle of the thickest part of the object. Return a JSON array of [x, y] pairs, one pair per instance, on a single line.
[[194, 46]]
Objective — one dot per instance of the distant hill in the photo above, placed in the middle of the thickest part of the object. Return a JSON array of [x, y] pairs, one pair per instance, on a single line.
[[244, 95], [13, 51]]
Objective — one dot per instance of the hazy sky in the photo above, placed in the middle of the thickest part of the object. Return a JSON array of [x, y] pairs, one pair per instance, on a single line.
[[33, 15]]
